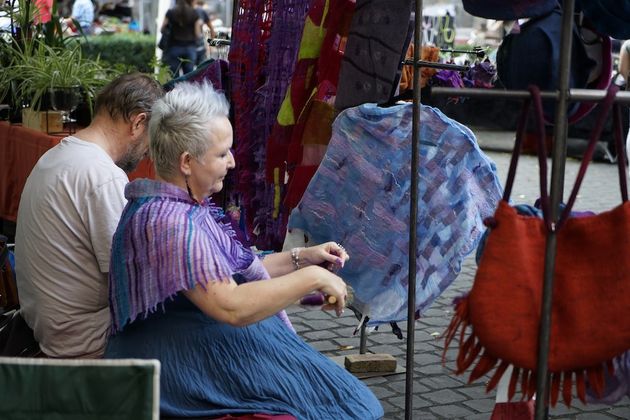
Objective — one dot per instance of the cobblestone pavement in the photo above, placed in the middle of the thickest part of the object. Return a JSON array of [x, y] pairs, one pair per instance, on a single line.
[[437, 393]]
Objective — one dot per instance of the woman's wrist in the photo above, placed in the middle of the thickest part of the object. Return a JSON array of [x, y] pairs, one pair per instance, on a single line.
[[296, 259]]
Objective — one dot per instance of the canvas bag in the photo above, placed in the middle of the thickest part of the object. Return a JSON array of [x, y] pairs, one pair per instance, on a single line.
[[589, 322]]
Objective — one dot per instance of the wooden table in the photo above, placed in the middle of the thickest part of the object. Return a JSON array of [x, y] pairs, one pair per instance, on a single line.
[[20, 149]]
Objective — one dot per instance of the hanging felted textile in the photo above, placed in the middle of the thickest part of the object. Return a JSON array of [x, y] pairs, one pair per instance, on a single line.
[[589, 322], [246, 69], [306, 149], [313, 87], [303, 81], [262, 57], [288, 18], [359, 197], [375, 48]]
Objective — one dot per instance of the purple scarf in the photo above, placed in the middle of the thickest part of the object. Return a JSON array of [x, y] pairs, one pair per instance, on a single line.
[[165, 243]]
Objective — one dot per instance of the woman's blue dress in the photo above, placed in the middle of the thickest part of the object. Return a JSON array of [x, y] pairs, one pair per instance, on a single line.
[[213, 369]]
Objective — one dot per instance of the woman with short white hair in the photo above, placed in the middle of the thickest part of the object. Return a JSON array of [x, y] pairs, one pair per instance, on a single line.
[[184, 291]]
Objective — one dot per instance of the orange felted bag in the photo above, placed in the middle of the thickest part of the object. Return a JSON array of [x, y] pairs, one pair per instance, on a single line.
[[591, 290]]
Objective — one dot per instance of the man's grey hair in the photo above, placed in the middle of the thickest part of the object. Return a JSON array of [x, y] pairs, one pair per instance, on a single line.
[[180, 122]]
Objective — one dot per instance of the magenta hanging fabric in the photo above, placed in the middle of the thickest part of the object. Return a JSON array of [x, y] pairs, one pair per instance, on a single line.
[[246, 70], [288, 18], [262, 57]]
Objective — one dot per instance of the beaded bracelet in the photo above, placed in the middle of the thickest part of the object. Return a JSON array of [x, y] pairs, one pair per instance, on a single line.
[[295, 257]]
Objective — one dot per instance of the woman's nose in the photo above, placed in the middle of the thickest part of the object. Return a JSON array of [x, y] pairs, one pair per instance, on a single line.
[[232, 162]]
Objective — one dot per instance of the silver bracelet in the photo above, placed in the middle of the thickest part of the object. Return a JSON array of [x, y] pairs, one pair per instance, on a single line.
[[295, 257]]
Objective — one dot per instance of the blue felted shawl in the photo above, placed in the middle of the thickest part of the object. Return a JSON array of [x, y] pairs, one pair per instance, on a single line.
[[360, 198]]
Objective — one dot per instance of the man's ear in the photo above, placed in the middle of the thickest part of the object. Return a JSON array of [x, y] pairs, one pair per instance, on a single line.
[[184, 163], [138, 124]]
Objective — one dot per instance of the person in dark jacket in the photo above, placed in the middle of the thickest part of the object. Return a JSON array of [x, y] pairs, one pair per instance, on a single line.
[[185, 30]]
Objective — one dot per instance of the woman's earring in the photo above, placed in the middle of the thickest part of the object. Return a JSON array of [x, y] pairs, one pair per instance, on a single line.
[[189, 190]]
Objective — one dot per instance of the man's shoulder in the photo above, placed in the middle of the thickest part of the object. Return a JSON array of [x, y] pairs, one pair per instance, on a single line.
[[78, 169]]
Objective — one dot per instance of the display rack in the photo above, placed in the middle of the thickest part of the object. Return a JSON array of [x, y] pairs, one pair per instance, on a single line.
[[562, 97]]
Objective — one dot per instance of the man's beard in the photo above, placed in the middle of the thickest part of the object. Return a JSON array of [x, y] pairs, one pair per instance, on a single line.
[[129, 161]]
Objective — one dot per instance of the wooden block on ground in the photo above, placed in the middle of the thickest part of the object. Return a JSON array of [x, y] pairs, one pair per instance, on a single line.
[[356, 363]]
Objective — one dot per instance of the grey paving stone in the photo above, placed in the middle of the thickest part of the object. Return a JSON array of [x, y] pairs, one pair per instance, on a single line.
[[482, 416], [562, 410], [375, 380], [621, 412], [323, 346], [300, 328], [388, 349], [430, 370], [437, 323], [417, 402], [348, 320], [381, 392], [320, 335], [481, 406], [316, 324], [440, 382], [577, 404], [474, 391], [389, 409], [452, 411], [399, 387], [444, 396], [385, 337], [593, 416], [317, 314], [424, 359]]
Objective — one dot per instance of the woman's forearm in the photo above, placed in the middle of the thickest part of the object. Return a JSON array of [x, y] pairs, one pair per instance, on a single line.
[[281, 263], [251, 302]]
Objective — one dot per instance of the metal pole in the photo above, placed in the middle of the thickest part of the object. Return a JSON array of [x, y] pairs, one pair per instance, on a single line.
[[233, 13], [588, 95], [413, 212], [557, 184], [363, 338]]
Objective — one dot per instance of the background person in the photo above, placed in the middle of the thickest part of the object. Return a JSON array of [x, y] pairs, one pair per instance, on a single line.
[[68, 212], [82, 12], [203, 48], [185, 292], [185, 31]]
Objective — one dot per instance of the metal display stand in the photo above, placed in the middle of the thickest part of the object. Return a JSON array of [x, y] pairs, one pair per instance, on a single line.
[[562, 97]]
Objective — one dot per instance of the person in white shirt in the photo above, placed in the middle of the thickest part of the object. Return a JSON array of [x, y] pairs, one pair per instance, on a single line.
[[68, 212]]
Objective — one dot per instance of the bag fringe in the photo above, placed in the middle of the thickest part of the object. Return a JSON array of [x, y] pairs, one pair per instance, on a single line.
[[471, 352]]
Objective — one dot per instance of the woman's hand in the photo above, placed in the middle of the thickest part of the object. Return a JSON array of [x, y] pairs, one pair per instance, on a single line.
[[330, 255], [333, 288]]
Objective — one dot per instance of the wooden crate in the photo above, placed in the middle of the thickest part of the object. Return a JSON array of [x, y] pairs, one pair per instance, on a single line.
[[37, 120]]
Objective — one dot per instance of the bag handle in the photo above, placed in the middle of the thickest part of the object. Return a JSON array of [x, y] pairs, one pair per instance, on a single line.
[[607, 104], [535, 98]]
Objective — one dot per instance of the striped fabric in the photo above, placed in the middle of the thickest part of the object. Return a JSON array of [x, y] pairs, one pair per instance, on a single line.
[[165, 243]]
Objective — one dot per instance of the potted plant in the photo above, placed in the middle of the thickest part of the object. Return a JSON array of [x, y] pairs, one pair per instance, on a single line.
[[39, 60]]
